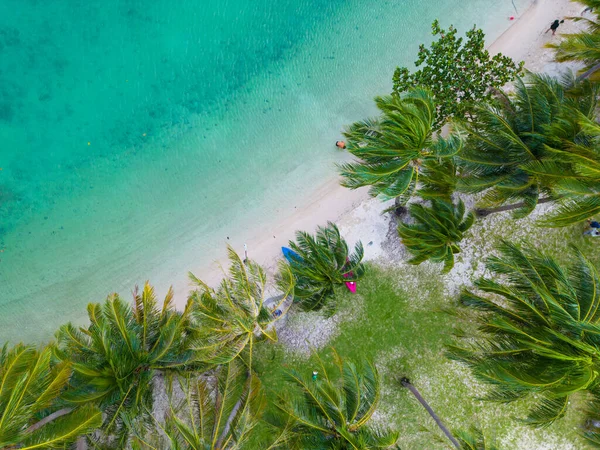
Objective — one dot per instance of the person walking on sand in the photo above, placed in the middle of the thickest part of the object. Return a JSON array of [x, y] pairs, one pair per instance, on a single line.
[[593, 228], [554, 26], [594, 232], [588, 9], [593, 223]]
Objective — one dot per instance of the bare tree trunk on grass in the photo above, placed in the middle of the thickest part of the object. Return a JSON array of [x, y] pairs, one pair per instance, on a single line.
[[407, 384]]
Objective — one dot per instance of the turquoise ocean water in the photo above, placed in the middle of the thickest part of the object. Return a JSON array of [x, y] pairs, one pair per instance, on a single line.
[[136, 136]]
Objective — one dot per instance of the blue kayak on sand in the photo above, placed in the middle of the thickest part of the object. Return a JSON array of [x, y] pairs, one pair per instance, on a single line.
[[290, 254]]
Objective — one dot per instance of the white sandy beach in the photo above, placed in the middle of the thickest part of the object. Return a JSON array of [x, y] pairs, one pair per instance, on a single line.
[[358, 215]]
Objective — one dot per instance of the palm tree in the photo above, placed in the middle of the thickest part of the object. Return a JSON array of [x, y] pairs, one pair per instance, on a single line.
[[30, 414], [511, 150], [539, 330], [217, 412], [324, 262], [334, 409], [228, 320], [398, 149], [579, 189], [436, 232], [583, 46], [115, 358]]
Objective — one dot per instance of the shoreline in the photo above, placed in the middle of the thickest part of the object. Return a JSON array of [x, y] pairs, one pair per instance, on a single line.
[[259, 162], [356, 213]]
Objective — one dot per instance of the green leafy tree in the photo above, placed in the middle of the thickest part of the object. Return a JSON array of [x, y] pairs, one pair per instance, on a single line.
[[458, 71], [516, 145], [115, 358], [436, 231], [324, 262], [229, 320], [583, 46], [397, 152], [333, 411], [538, 330], [30, 413]]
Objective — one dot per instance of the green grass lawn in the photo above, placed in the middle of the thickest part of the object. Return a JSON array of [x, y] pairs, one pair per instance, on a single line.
[[397, 320]]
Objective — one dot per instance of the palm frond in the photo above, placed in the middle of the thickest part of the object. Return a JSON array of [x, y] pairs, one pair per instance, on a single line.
[[30, 415], [538, 330], [474, 439], [115, 358], [335, 408], [531, 143], [436, 231], [324, 261], [226, 321], [392, 150]]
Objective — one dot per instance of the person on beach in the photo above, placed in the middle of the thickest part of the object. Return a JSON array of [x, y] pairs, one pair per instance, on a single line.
[[588, 9], [593, 228], [554, 26], [593, 223]]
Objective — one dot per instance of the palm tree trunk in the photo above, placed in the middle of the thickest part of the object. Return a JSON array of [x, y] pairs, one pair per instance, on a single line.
[[80, 444], [48, 419], [483, 212], [589, 72], [407, 384], [238, 404], [234, 412]]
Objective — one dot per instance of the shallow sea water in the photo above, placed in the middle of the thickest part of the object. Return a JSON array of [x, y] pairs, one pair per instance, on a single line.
[[136, 136]]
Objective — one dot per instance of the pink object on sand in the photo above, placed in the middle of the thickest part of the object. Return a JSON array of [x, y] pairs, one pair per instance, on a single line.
[[351, 285]]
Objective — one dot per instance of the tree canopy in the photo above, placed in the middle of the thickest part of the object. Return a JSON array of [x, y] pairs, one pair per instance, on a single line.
[[436, 231], [31, 383], [539, 328], [228, 320], [519, 147], [216, 414], [324, 262], [458, 72], [115, 358], [397, 152], [334, 409]]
